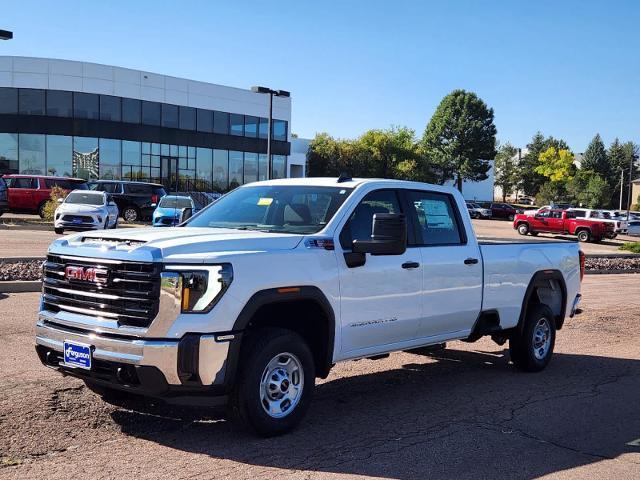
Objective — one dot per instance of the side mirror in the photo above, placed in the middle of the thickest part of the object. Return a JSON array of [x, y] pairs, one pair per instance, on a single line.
[[60, 200], [388, 237]]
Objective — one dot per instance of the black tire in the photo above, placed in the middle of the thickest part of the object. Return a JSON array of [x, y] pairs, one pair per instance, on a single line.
[[511, 217], [246, 403], [115, 225], [41, 209], [59, 231], [523, 228], [527, 350], [584, 236], [130, 214], [611, 237], [106, 224]]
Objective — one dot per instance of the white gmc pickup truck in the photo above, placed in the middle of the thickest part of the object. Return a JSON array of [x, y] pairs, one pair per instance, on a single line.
[[256, 296]]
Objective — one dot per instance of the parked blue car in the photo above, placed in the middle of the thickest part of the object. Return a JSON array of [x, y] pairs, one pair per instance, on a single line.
[[172, 210]]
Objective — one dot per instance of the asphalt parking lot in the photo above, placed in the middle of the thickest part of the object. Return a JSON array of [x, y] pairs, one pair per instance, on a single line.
[[462, 413], [21, 242]]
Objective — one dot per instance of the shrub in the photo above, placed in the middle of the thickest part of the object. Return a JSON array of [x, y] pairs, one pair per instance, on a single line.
[[52, 203]]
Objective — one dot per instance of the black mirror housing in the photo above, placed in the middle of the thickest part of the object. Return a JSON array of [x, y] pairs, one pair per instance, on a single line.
[[388, 237]]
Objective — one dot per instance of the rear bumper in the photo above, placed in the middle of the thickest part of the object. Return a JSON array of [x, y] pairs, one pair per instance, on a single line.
[[196, 364]]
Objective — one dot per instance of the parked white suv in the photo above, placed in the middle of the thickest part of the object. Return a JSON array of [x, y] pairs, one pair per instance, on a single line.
[[85, 210], [270, 286], [620, 226]]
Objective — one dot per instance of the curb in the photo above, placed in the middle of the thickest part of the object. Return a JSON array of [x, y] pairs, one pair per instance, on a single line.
[[613, 255], [611, 272], [21, 259], [20, 286]]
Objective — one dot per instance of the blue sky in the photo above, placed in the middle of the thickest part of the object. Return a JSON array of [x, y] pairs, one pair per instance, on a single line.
[[567, 68]]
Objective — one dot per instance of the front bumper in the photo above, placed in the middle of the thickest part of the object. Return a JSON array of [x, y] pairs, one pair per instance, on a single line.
[[89, 222], [195, 364]]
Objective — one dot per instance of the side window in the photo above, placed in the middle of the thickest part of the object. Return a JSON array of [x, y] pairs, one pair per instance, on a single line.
[[23, 183], [138, 189], [111, 187], [543, 213], [579, 213], [437, 220], [359, 225]]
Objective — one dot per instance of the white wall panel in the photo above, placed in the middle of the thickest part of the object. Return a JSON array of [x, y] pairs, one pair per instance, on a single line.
[[65, 67], [30, 65], [30, 80], [97, 85], [65, 82], [94, 70]]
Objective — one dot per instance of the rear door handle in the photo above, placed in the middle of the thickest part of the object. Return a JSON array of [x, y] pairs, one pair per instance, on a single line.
[[471, 261], [410, 265]]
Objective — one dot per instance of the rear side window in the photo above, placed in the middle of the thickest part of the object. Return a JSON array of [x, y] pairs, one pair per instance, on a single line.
[[438, 221], [65, 184], [138, 189], [160, 191], [579, 213], [110, 188]]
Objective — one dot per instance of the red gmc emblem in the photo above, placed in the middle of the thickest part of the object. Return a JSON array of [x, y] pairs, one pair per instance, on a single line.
[[86, 274]]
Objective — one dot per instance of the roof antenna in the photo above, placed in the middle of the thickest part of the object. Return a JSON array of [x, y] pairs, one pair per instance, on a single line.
[[344, 178]]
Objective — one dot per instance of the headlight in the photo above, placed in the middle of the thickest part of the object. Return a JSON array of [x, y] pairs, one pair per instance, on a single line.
[[202, 286]]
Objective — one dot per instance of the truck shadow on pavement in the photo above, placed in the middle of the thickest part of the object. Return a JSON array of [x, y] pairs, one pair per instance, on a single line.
[[461, 414]]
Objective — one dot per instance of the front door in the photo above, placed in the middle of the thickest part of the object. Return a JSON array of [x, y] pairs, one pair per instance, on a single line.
[[380, 300], [169, 173], [452, 267]]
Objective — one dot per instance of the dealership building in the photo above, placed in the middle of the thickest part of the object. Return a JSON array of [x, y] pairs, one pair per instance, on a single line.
[[80, 119]]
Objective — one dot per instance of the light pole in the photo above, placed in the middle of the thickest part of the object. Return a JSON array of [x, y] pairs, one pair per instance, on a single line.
[[271, 93], [6, 35], [631, 163]]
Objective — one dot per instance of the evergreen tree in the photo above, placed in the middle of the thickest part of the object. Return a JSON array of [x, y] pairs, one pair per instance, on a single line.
[[595, 158], [530, 180], [505, 167]]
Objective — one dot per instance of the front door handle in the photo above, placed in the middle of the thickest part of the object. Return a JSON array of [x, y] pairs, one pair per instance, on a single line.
[[471, 261], [410, 265]]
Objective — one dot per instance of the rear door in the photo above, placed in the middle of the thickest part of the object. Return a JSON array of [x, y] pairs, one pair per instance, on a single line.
[[452, 267], [22, 193]]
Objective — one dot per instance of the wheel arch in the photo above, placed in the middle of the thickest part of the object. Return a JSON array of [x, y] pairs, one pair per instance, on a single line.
[[282, 307], [546, 287]]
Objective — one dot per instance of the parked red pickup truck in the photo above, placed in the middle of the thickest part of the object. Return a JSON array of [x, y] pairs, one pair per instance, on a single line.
[[562, 222]]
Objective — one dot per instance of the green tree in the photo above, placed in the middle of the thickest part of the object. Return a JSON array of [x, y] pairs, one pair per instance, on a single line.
[[505, 167], [460, 138], [595, 158], [551, 192], [530, 180], [556, 165], [589, 189]]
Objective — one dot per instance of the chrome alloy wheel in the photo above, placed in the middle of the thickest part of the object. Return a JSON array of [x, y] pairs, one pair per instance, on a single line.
[[281, 385], [541, 339]]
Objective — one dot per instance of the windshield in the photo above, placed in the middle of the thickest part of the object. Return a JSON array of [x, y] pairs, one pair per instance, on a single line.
[[85, 198], [286, 209], [175, 202]]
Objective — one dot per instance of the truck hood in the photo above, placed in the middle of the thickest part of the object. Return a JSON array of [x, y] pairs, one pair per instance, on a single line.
[[174, 244]]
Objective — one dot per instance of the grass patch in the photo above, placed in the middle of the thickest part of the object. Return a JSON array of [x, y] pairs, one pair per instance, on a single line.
[[633, 247]]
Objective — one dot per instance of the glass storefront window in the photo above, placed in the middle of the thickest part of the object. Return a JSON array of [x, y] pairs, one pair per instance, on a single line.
[[205, 120], [110, 108], [155, 149], [236, 166], [86, 105], [264, 128], [131, 109], [221, 123], [31, 101], [173, 151], [86, 157], [31, 153], [280, 130], [220, 170], [164, 149], [204, 168], [8, 100], [131, 160], [59, 103], [187, 118], [250, 167], [263, 167], [169, 115], [236, 124], [59, 155], [250, 126], [8, 153], [151, 113], [110, 156], [279, 164]]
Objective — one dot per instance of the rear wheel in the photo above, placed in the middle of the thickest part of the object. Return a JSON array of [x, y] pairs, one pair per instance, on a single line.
[[59, 231], [130, 214], [511, 217], [275, 382], [584, 235], [523, 229], [531, 350], [41, 209]]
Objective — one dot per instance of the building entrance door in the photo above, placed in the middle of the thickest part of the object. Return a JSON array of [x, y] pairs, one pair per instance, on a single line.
[[169, 173]]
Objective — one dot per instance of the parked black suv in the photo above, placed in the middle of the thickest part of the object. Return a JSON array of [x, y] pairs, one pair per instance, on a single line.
[[135, 200]]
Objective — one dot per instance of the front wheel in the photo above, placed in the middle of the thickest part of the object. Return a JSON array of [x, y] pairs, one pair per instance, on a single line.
[[41, 209], [511, 217], [531, 350], [275, 382], [523, 229], [59, 231], [584, 236]]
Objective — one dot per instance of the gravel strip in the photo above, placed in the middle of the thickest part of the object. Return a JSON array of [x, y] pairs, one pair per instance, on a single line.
[[610, 264], [31, 270]]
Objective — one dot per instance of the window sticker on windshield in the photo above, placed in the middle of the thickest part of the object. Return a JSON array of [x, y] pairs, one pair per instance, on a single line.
[[342, 192], [265, 201]]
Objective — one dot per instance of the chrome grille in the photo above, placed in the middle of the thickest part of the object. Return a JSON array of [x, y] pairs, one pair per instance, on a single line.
[[130, 294]]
